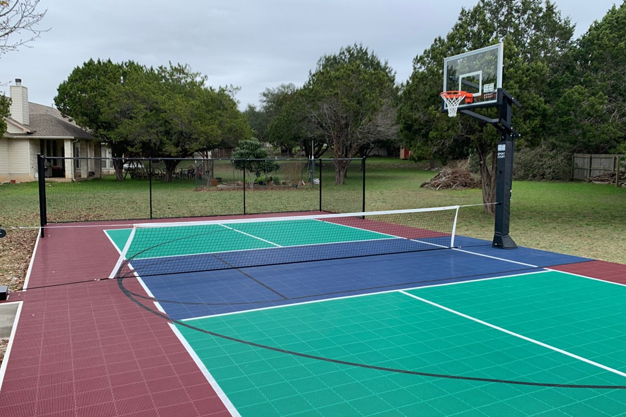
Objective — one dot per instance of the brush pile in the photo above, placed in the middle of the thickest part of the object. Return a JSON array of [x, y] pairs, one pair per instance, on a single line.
[[609, 178], [453, 179]]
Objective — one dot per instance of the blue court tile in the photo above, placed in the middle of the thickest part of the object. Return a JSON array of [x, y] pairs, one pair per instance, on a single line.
[[535, 257], [213, 292]]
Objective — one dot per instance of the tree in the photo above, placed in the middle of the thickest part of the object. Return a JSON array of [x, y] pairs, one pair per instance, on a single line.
[[5, 103], [251, 156], [591, 111], [535, 38], [88, 96], [16, 17], [167, 112], [258, 121], [350, 102]]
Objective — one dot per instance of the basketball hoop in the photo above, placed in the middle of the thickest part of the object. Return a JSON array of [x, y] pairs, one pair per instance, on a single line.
[[454, 98]]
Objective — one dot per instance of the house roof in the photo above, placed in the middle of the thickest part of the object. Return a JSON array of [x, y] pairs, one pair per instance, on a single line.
[[47, 122]]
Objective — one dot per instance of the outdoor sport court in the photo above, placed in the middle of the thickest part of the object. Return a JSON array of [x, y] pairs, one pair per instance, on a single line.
[[388, 314]]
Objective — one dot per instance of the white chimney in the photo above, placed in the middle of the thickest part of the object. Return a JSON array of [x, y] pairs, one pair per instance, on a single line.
[[19, 103]]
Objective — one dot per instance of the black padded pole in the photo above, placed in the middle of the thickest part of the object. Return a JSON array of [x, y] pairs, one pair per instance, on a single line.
[[504, 178], [41, 173]]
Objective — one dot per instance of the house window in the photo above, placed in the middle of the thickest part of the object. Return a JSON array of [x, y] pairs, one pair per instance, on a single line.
[[76, 156]]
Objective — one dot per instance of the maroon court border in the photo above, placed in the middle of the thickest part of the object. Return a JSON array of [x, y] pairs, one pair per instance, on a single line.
[[82, 349]]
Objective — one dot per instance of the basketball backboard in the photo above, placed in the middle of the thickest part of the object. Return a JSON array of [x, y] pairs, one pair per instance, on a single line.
[[478, 72]]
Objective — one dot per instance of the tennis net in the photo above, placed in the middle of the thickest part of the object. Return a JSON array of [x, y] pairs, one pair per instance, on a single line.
[[173, 248]]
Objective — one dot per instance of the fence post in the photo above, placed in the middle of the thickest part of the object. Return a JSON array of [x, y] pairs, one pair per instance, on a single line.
[[41, 173], [320, 184], [363, 169], [617, 158], [244, 187], [150, 182], [590, 164]]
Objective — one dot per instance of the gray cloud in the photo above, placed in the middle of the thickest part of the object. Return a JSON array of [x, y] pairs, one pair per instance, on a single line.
[[250, 44]]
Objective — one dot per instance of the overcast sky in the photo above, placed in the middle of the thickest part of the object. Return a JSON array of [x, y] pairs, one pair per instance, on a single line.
[[250, 44]]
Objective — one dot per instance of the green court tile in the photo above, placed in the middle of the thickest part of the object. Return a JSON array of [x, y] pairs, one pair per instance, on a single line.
[[337, 410], [325, 398], [265, 409], [251, 397], [311, 383], [370, 391], [352, 391], [188, 240], [282, 389], [371, 405], [290, 405], [422, 410], [306, 232]]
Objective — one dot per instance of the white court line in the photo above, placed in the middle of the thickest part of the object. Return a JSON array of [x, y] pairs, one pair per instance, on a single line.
[[32, 261], [495, 257], [584, 276], [252, 236], [122, 257], [5, 362], [218, 390], [356, 295], [528, 339]]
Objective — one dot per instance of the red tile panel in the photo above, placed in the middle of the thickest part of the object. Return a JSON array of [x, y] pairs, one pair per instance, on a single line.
[[82, 348], [606, 271]]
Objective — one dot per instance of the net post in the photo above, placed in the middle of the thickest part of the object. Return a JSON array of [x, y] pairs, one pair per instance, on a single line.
[[150, 182], [41, 173], [456, 216], [320, 171]]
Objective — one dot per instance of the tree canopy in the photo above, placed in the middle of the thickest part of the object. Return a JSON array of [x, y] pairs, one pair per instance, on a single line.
[[350, 101], [165, 112], [535, 37]]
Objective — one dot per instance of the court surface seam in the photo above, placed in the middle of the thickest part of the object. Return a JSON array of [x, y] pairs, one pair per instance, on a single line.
[[509, 332]]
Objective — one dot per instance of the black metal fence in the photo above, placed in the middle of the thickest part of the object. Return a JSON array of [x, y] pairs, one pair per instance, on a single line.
[[89, 189]]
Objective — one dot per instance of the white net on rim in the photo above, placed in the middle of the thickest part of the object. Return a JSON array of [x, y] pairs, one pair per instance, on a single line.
[[452, 102]]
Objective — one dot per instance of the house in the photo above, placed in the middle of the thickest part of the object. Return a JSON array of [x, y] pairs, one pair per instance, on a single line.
[[36, 129]]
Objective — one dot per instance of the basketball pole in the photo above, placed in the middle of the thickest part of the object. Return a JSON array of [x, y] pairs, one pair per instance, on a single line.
[[504, 174], [504, 177]]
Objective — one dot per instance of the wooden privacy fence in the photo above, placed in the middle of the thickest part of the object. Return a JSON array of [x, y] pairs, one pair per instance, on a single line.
[[587, 166]]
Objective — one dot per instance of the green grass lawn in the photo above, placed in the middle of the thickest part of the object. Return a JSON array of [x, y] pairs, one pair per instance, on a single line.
[[568, 217]]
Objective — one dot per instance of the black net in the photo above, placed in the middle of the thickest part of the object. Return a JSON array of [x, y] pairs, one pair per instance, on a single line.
[[158, 249]]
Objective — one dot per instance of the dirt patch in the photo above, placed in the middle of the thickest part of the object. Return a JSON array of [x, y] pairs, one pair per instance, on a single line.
[[15, 252], [4, 342]]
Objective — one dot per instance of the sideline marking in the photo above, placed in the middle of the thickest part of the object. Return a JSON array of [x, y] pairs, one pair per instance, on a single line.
[[528, 339], [32, 262], [5, 361]]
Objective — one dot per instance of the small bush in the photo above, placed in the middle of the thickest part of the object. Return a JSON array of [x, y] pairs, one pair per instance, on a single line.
[[542, 164]]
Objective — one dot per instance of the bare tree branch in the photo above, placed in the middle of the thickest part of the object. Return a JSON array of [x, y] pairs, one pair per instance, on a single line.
[[19, 17]]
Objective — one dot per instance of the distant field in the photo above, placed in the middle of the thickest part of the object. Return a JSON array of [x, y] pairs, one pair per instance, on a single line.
[[575, 218]]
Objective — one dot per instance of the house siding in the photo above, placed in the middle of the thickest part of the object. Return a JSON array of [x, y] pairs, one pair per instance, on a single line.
[[18, 161], [4, 159]]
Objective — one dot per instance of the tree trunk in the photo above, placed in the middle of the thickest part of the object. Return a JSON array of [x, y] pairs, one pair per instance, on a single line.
[[488, 179], [118, 165], [341, 170], [170, 167], [432, 164]]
